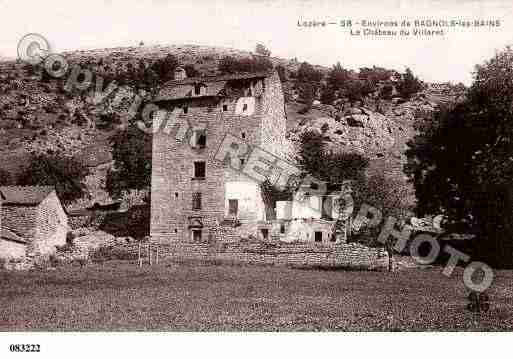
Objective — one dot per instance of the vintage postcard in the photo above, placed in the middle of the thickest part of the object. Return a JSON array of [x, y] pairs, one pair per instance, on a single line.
[[253, 166]]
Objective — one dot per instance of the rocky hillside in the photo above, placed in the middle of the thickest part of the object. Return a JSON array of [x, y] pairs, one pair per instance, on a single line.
[[36, 114]]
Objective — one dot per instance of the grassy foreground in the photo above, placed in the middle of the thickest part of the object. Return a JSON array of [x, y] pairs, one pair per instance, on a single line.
[[121, 296]]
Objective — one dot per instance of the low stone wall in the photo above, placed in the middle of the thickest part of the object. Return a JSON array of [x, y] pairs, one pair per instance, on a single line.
[[277, 253]]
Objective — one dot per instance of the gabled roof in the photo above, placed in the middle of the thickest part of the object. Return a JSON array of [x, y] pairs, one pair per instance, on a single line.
[[25, 195], [180, 89]]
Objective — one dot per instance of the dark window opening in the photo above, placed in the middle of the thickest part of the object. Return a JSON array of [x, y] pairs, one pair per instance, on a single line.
[[197, 89], [199, 169], [185, 109], [233, 207], [225, 108], [318, 236], [327, 205], [176, 230], [265, 233], [176, 194], [282, 228], [196, 234], [201, 140], [245, 107], [196, 201], [242, 160], [243, 134]]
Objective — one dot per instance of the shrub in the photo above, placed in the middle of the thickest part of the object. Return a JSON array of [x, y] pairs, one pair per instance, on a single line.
[[409, 84], [54, 261], [102, 254]]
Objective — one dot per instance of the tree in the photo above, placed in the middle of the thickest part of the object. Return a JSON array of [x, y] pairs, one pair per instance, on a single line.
[[306, 95], [409, 84], [329, 167], [462, 164], [338, 76], [132, 161], [262, 50], [232, 65], [164, 68], [356, 90], [191, 71], [328, 95], [308, 74], [66, 174]]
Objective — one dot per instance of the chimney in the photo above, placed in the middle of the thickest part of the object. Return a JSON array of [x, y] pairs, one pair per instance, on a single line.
[[180, 74]]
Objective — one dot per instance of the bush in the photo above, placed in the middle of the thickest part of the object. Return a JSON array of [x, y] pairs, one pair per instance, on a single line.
[[102, 254], [409, 84]]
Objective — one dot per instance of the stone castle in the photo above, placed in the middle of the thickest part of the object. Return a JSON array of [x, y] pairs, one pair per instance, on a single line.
[[195, 197]]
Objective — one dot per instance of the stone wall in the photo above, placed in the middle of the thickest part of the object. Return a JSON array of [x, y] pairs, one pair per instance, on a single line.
[[52, 225], [12, 250], [352, 255]]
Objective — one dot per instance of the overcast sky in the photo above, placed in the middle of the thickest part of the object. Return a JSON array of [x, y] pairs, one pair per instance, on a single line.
[[241, 24]]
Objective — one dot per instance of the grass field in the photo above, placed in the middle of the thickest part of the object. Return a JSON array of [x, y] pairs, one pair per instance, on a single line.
[[121, 296]]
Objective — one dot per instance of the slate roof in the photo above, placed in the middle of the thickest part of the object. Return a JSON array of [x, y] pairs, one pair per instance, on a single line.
[[25, 195], [11, 236], [180, 89]]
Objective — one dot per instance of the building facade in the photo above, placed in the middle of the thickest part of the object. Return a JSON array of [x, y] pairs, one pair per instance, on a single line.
[[194, 196]]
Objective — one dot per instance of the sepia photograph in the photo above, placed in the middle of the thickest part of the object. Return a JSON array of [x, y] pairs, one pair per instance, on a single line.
[[220, 171]]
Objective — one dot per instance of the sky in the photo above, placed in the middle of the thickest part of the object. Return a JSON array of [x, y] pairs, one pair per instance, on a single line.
[[70, 25]]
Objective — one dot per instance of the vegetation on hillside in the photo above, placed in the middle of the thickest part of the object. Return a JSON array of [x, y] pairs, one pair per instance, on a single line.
[[132, 164], [462, 164], [64, 173]]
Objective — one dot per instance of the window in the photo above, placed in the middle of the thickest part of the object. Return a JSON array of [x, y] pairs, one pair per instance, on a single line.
[[318, 236], [243, 135], [265, 233], [196, 234], [185, 109], [282, 228], [233, 207], [176, 230], [199, 169], [245, 107], [242, 160], [176, 195], [196, 201], [199, 139], [197, 89], [225, 108]]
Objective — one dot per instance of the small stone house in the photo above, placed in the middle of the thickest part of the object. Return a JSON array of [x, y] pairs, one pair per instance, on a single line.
[[32, 222]]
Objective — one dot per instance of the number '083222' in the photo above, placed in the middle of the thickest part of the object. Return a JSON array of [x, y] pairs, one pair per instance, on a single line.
[[25, 348]]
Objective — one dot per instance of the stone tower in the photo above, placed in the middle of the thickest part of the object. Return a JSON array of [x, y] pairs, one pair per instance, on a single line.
[[194, 196]]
